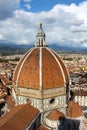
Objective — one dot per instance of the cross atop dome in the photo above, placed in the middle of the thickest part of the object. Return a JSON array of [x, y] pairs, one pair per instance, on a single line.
[[40, 42]]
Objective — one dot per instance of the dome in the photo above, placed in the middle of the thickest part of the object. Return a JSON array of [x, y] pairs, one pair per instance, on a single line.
[[74, 110], [41, 69], [55, 115]]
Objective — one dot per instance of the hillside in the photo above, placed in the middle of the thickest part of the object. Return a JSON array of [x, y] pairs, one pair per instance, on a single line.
[[11, 49]]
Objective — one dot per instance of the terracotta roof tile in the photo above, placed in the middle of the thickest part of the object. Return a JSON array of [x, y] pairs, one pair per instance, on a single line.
[[74, 110], [80, 93], [29, 76], [6, 81], [18, 67], [51, 72], [42, 128], [18, 118], [55, 115], [63, 67], [10, 102]]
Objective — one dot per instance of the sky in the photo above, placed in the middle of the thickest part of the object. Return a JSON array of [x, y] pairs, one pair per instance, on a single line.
[[64, 21]]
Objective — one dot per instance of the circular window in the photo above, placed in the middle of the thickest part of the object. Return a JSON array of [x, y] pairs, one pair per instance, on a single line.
[[52, 101]]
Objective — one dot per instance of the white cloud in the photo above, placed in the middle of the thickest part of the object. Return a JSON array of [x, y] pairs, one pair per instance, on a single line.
[[1, 37], [28, 6], [63, 25], [80, 11], [7, 8]]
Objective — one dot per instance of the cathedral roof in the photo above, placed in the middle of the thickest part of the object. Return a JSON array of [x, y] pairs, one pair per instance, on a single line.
[[55, 115], [40, 68], [42, 128], [18, 118], [74, 110]]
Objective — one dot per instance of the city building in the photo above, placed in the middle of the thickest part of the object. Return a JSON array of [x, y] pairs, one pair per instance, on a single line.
[[41, 93]]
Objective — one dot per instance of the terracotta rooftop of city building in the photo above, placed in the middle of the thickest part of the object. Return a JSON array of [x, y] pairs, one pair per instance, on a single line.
[[3, 93], [74, 110], [40, 67], [80, 92], [5, 80], [18, 118], [55, 115], [42, 128]]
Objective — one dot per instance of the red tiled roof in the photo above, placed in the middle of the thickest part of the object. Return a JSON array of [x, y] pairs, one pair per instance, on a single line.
[[18, 67], [28, 70], [74, 110], [51, 73], [42, 128], [18, 118], [10, 102], [80, 93], [63, 67], [55, 115], [29, 75], [5, 80], [2, 94]]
